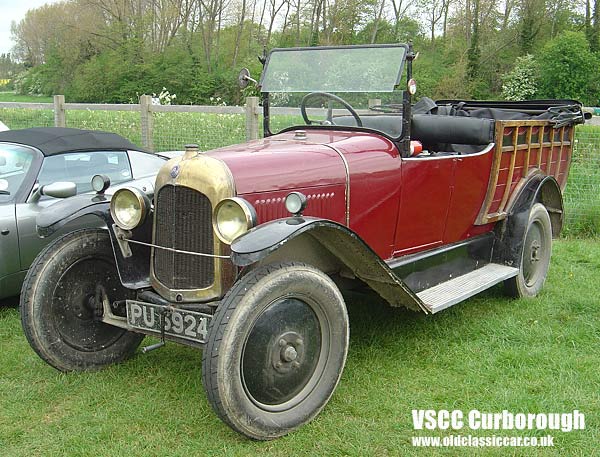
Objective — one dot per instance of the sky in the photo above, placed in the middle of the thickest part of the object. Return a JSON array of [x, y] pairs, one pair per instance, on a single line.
[[14, 10]]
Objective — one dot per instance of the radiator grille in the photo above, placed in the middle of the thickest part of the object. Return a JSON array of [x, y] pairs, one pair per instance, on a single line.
[[183, 221]]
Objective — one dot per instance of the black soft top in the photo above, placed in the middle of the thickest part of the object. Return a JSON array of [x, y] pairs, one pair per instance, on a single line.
[[56, 140]]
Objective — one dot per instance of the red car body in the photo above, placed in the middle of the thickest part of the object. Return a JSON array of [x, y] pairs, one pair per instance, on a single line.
[[397, 205]]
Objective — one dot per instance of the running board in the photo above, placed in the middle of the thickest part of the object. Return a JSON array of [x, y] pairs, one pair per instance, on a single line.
[[462, 287]]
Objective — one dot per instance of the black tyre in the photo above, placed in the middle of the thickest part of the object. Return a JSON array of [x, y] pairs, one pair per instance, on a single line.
[[59, 312], [276, 349], [535, 256]]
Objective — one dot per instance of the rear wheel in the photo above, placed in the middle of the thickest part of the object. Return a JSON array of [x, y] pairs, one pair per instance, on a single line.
[[276, 350], [60, 309], [535, 255]]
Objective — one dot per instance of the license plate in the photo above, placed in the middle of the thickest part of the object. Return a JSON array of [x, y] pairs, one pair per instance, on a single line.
[[180, 323]]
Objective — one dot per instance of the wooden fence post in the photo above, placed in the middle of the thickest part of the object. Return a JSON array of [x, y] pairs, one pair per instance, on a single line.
[[251, 118], [147, 122], [60, 119]]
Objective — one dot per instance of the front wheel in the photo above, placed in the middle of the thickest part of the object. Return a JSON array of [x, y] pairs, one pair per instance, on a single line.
[[276, 349], [59, 306], [535, 255]]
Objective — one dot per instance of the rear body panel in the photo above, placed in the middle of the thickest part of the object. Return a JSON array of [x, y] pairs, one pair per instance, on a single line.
[[526, 147]]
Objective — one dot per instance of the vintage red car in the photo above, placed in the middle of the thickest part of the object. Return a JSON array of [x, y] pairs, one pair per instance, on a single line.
[[244, 249]]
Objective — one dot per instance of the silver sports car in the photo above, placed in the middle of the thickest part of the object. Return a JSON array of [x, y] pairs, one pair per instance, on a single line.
[[39, 165]]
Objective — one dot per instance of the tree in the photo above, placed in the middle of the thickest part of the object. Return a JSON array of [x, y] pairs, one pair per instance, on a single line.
[[474, 49], [400, 7], [532, 20], [568, 69], [520, 83], [434, 11]]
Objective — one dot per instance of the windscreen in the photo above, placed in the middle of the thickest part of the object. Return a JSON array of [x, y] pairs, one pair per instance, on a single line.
[[15, 162], [340, 69]]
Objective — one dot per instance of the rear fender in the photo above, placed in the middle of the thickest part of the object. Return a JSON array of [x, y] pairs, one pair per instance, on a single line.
[[327, 245], [134, 270], [510, 233]]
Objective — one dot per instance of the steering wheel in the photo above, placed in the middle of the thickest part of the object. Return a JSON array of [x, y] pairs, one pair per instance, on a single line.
[[344, 103]]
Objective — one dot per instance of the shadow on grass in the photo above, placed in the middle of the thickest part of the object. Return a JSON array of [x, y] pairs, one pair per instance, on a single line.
[[10, 302]]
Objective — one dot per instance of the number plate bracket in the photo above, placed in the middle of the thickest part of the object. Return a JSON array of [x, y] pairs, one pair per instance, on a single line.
[[175, 324]]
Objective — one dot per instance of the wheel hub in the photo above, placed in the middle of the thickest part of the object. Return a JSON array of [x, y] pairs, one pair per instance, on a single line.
[[533, 254], [84, 308], [535, 251], [288, 353], [77, 305], [281, 353]]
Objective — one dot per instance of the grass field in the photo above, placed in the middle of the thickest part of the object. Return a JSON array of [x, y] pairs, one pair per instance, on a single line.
[[490, 353], [12, 97]]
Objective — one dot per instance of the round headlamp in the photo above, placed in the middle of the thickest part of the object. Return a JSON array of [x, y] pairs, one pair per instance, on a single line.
[[129, 207], [100, 183], [233, 217], [295, 202]]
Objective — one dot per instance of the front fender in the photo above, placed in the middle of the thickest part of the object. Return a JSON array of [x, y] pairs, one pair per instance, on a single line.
[[54, 216], [134, 270], [339, 241]]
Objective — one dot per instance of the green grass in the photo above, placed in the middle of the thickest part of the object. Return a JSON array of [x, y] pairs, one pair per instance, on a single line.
[[489, 353], [12, 97]]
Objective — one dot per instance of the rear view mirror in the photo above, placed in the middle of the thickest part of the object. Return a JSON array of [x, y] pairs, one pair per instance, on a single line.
[[244, 78], [59, 189]]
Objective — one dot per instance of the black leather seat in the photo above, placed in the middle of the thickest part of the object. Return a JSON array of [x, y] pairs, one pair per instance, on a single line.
[[435, 129], [390, 124]]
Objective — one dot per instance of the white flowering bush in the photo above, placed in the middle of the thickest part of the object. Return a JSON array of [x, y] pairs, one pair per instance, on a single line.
[[521, 82], [217, 101], [164, 98]]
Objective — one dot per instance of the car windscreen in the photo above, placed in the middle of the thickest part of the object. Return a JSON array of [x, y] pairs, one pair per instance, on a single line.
[[342, 86], [334, 69], [15, 162], [80, 167]]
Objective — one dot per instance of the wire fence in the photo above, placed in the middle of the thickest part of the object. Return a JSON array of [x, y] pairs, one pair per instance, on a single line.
[[582, 194], [167, 128]]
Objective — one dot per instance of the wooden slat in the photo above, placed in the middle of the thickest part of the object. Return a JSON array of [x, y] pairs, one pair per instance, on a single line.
[[197, 109], [550, 154], [547, 144], [102, 107], [542, 144], [524, 123], [26, 105], [511, 172], [560, 153], [528, 155], [483, 216]]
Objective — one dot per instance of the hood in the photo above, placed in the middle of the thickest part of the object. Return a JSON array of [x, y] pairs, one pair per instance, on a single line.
[[282, 162]]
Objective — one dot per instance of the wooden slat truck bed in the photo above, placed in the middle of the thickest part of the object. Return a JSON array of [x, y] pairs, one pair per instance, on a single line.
[[524, 148]]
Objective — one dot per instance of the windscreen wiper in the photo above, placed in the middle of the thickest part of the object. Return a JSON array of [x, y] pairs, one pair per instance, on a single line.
[[4, 192]]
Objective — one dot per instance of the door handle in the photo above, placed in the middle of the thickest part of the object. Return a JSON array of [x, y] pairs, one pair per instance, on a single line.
[[5, 231]]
